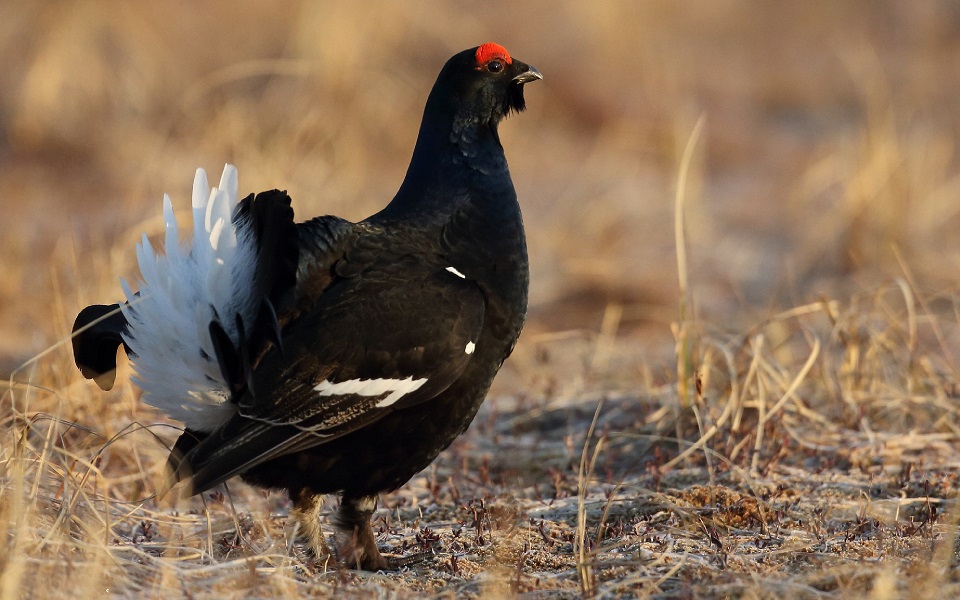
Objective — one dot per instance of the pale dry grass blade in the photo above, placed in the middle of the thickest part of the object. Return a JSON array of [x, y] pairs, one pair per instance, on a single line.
[[684, 358]]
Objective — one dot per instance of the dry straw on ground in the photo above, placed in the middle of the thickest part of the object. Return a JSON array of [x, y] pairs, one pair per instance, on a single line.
[[739, 373], [817, 455]]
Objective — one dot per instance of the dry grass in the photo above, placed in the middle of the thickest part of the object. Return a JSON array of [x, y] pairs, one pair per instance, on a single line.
[[770, 412]]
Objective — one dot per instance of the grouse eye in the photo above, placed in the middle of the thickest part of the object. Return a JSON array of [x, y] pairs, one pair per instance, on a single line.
[[495, 66]]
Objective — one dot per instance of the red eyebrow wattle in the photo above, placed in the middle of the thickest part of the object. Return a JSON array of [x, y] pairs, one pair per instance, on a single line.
[[490, 51]]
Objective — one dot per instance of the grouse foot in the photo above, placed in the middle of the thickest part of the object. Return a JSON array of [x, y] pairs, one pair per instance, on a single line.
[[356, 545]]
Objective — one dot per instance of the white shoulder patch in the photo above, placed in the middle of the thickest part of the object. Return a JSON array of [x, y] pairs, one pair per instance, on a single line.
[[398, 388], [456, 272], [470, 348]]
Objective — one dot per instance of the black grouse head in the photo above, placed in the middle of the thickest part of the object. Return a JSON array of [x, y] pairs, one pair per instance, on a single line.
[[481, 85]]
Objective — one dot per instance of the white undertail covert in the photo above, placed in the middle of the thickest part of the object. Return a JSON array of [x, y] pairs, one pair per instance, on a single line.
[[181, 291]]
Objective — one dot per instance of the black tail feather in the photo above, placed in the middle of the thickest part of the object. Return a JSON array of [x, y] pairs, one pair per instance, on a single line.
[[231, 450], [95, 348], [178, 467], [269, 317], [278, 248], [270, 217], [228, 357]]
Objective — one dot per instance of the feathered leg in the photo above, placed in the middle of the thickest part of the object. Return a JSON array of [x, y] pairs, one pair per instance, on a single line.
[[306, 515]]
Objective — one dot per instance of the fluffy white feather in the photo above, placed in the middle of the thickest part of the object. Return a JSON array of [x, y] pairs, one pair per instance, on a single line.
[[181, 292]]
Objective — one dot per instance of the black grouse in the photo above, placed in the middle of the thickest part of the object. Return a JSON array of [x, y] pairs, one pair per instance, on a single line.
[[330, 356]]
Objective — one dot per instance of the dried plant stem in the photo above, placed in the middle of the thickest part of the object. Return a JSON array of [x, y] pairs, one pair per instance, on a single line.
[[585, 569], [684, 358]]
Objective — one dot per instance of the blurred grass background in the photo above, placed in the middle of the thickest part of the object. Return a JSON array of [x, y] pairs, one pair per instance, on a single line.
[[830, 141]]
